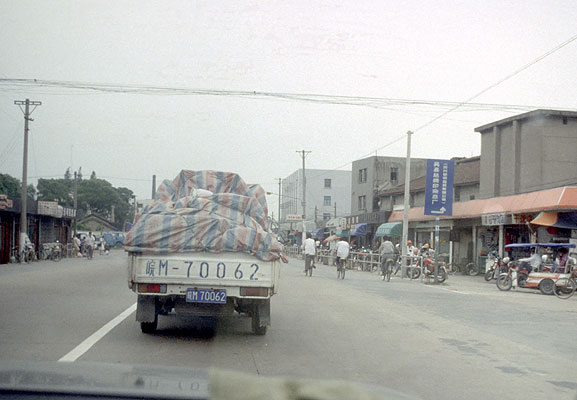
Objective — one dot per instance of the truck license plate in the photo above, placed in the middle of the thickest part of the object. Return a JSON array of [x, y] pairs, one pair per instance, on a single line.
[[206, 296]]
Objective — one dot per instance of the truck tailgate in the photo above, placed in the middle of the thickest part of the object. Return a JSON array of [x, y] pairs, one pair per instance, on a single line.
[[204, 269]]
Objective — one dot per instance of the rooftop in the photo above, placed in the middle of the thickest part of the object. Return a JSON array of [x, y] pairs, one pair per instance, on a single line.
[[527, 115]]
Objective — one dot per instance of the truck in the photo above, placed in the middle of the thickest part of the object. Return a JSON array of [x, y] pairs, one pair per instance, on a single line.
[[202, 249]]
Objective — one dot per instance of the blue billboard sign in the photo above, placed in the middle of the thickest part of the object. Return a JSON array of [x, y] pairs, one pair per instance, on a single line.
[[439, 189]]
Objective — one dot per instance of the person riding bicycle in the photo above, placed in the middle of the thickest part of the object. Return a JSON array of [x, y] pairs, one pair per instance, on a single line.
[[388, 252], [342, 253], [309, 252]]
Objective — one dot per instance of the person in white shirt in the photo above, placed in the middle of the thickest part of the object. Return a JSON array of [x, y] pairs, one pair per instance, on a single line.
[[534, 261], [342, 252], [90, 243], [309, 252]]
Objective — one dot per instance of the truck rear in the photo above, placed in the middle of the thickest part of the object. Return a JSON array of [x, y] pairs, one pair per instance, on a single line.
[[202, 249], [202, 285]]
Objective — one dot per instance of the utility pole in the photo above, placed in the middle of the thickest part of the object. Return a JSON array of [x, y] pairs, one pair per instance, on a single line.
[[335, 210], [153, 186], [75, 202], [316, 211], [304, 155], [24, 195], [279, 200], [406, 203]]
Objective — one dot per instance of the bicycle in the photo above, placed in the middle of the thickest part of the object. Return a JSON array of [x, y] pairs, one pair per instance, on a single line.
[[388, 270], [470, 269], [566, 287], [341, 268], [309, 266]]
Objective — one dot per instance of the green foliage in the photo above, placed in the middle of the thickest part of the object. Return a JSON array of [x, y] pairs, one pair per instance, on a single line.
[[98, 196], [59, 190], [9, 185]]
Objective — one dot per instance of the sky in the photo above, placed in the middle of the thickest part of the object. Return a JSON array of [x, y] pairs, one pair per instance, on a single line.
[[442, 51]]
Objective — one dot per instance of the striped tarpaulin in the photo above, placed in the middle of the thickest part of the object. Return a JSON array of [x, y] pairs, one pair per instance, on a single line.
[[182, 219]]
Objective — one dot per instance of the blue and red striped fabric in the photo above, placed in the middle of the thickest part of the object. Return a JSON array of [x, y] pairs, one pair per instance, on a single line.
[[182, 219]]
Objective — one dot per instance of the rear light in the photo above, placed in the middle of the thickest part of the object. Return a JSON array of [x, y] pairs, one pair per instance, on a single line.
[[151, 288], [255, 292]]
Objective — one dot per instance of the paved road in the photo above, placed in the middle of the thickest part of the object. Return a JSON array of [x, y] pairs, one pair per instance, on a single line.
[[463, 339]]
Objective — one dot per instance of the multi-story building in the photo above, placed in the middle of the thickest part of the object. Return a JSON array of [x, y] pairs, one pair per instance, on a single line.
[[328, 194], [528, 152]]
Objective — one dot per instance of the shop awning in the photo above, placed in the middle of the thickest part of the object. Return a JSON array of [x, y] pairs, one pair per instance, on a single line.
[[567, 220], [342, 233], [318, 233], [359, 230], [562, 198], [392, 229]]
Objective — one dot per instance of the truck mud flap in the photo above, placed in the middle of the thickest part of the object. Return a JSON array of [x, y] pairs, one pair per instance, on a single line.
[[146, 309], [263, 310]]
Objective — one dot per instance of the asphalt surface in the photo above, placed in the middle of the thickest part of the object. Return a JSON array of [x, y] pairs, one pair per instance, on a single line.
[[462, 339]]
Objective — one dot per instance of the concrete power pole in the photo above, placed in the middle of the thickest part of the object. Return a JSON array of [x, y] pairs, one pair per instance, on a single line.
[[24, 195], [75, 202], [406, 201], [279, 200], [153, 186], [304, 155]]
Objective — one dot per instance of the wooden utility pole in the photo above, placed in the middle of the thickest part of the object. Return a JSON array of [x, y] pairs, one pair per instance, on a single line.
[[24, 195]]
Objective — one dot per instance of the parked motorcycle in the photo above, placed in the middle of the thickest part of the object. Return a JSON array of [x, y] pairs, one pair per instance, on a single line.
[[498, 267]]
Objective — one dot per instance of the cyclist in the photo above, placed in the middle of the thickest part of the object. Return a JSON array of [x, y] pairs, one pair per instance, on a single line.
[[388, 252], [342, 253], [309, 252]]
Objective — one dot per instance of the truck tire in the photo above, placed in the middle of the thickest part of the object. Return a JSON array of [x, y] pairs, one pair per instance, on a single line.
[[149, 327], [256, 327]]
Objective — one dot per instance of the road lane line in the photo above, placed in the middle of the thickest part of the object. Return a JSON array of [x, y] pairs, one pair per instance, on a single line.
[[448, 290], [96, 336]]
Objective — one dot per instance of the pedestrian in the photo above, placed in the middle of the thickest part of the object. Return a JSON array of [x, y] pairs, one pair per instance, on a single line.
[[309, 252], [90, 243], [101, 245], [76, 242]]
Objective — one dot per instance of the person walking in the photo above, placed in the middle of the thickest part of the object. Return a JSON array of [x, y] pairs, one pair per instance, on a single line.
[[77, 246], [309, 252], [90, 243]]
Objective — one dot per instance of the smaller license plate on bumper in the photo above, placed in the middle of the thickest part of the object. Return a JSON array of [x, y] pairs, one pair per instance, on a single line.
[[206, 296]]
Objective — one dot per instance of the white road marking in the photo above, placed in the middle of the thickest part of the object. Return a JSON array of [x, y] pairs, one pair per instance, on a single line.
[[83, 347], [448, 290]]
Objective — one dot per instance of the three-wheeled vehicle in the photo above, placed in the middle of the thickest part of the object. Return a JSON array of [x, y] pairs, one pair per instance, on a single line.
[[542, 278]]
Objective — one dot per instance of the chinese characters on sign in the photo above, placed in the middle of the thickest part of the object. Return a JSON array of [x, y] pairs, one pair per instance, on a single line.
[[495, 219], [439, 189]]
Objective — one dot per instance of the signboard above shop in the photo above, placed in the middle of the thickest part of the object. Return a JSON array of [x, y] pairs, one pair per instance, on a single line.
[[294, 217], [496, 219], [439, 188]]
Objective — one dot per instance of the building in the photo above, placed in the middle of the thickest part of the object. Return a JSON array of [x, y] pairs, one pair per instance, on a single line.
[[47, 223], [370, 177], [525, 172], [328, 194], [528, 152]]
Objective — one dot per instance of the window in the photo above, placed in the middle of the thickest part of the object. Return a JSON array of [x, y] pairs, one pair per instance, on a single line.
[[472, 197], [327, 183], [362, 175], [327, 201], [394, 174], [457, 194], [362, 202]]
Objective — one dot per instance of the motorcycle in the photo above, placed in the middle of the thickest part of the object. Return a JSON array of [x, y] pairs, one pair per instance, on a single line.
[[498, 267]]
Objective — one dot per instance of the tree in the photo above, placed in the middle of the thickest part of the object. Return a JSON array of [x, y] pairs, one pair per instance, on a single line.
[[9, 185], [93, 175], [124, 210], [55, 190], [67, 174]]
